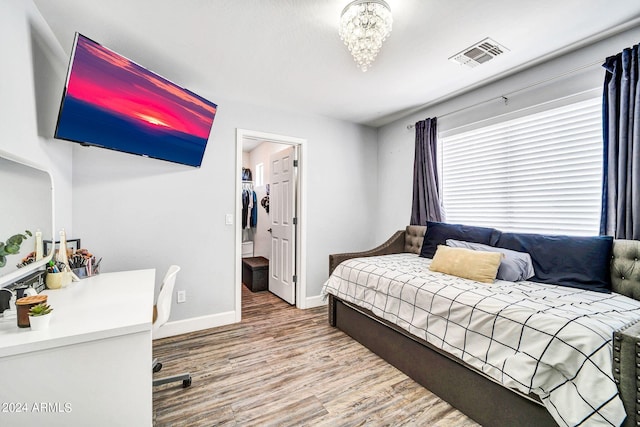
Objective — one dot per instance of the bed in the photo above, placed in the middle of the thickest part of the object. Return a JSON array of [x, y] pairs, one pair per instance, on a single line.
[[494, 369]]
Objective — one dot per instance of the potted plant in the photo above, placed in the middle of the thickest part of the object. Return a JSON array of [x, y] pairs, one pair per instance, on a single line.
[[12, 246], [39, 316]]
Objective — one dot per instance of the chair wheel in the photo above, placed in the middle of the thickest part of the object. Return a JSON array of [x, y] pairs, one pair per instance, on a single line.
[[186, 383], [157, 367]]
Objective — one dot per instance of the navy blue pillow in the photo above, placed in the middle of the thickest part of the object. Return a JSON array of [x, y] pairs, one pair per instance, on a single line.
[[438, 232], [577, 262]]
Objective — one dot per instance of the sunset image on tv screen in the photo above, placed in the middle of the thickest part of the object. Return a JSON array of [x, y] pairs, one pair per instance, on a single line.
[[115, 103]]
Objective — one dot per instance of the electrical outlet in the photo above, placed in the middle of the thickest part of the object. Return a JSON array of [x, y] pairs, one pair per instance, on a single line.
[[228, 219], [182, 296]]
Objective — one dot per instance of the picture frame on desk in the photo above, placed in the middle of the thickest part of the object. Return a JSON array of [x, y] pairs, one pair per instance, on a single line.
[[73, 244]]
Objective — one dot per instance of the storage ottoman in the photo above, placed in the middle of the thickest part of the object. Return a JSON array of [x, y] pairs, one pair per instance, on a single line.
[[255, 273]]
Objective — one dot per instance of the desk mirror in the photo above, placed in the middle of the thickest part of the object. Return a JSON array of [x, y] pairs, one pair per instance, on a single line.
[[26, 203]]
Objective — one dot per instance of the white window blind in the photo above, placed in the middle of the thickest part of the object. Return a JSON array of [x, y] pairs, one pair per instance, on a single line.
[[540, 173]]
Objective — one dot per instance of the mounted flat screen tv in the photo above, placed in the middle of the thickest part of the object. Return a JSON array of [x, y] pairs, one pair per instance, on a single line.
[[112, 102]]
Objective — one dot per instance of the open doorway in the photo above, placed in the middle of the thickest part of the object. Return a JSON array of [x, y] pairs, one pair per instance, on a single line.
[[275, 231]]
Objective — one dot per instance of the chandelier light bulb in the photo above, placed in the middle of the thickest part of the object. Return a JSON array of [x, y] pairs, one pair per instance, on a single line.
[[364, 25]]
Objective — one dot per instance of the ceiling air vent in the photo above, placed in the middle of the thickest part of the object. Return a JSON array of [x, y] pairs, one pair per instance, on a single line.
[[479, 53]]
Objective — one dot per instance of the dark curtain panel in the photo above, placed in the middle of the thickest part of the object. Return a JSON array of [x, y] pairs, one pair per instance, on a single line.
[[426, 191], [621, 156]]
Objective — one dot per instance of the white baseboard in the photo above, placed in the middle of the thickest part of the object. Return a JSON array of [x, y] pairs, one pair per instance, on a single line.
[[178, 327], [316, 301]]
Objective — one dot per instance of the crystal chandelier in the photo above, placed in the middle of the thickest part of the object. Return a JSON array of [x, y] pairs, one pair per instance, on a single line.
[[364, 25]]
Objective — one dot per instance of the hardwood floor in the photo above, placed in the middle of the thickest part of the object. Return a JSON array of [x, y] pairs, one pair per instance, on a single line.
[[282, 366]]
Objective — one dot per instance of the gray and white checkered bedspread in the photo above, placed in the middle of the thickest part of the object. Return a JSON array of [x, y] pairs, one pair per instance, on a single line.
[[551, 340]]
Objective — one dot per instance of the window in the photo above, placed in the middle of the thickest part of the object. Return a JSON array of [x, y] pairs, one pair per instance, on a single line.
[[259, 174], [541, 173]]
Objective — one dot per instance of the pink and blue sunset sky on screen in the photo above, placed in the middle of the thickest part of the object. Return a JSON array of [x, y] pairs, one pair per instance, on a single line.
[[113, 83]]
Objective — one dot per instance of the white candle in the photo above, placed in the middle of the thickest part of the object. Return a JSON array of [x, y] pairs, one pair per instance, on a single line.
[[38, 245], [62, 251], [62, 256]]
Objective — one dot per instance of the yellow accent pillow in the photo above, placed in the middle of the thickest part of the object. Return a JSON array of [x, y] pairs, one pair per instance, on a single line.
[[480, 266]]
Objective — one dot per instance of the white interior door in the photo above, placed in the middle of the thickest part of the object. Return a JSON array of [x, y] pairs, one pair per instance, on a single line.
[[282, 206]]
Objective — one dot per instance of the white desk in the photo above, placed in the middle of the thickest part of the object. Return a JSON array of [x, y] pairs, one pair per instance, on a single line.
[[92, 366]]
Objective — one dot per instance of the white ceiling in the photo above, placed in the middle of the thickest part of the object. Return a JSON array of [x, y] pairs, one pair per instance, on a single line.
[[287, 53]]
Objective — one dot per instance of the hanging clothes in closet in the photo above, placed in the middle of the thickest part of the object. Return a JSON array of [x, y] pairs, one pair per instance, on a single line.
[[253, 222], [249, 206]]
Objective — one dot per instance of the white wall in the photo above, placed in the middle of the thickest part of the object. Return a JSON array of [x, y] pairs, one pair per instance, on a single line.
[[523, 90], [145, 213], [32, 77], [246, 160]]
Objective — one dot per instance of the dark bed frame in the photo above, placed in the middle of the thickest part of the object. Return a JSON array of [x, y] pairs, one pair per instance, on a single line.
[[464, 387]]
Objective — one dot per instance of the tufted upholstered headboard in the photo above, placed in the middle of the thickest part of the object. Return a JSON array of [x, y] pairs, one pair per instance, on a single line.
[[413, 237], [625, 268], [625, 260]]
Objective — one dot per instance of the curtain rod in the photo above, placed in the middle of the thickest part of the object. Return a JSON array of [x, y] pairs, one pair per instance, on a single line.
[[505, 97]]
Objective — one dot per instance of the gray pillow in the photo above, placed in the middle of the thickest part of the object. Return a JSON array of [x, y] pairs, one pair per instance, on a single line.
[[514, 266]]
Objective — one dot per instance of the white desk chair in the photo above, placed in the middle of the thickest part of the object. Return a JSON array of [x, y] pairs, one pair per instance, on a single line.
[[161, 312]]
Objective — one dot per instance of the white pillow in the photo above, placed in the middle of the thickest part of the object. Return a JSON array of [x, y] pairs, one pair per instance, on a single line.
[[514, 267]]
